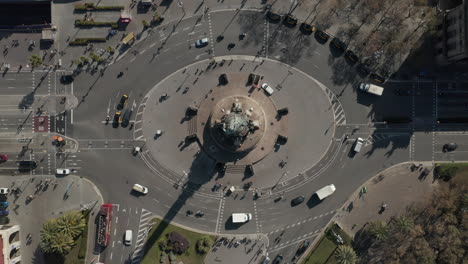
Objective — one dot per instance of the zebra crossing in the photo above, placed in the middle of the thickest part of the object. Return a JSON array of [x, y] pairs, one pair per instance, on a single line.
[[143, 230]]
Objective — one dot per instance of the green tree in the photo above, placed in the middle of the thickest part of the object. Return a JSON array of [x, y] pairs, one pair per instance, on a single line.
[[403, 224], [145, 23], [345, 255], [378, 230], [35, 60], [84, 60], [95, 57], [53, 241], [71, 223]]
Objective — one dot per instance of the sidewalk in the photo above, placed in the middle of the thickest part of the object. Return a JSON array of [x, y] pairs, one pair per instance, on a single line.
[[398, 187], [49, 202]]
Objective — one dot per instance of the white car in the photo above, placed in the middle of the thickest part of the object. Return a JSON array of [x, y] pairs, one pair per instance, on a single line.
[[128, 237], [268, 89], [201, 42], [140, 188], [4, 190], [62, 171]]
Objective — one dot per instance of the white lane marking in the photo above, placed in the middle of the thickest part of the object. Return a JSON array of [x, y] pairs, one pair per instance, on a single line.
[[152, 45]]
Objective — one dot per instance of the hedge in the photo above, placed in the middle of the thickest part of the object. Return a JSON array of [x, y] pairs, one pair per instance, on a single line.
[[85, 41], [92, 7], [85, 23]]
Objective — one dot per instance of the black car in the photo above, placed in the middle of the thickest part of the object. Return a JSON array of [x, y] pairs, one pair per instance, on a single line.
[[115, 122], [297, 200], [123, 101], [363, 69], [273, 17], [290, 21], [351, 57], [250, 79], [306, 28], [126, 117], [338, 44], [322, 36], [449, 147], [403, 91], [223, 80], [277, 260], [377, 78], [66, 79], [27, 165]]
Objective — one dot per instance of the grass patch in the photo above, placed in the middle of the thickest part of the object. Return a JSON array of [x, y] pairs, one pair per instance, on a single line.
[[158, 234], [322, 252]]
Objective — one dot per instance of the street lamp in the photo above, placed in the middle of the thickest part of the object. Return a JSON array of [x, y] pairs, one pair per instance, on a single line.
[[181, 5]]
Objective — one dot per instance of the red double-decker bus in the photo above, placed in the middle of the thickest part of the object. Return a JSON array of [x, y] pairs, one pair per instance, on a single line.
[[104, 225]]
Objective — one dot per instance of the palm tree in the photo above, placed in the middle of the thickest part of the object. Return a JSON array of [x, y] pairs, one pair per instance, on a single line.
[[378, 230], [71, 223], [345, 255], [48, 232], [61, 244], [403, 224]]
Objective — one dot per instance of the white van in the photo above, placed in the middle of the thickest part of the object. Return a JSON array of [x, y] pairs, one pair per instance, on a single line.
[[140, 188], [358, 144], [241, 217], [128, 237]]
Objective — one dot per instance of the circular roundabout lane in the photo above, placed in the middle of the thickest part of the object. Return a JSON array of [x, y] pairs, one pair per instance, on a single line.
[[281, 135]]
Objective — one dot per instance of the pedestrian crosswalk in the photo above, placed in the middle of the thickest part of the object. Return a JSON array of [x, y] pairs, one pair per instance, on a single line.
[[143, 230]]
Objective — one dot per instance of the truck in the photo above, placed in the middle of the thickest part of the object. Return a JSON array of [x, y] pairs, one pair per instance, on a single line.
[[371, 88], [241, 217], [325, 191]]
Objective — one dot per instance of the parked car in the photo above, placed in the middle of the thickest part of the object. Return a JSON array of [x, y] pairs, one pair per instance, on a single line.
[[62, 172], [449, 147], [338, 44], [351, 57], [3, 158], [4, 190], [201, 43], [322, 36], [291, 21], [297, 200], [273, 17], [4, 204], [123, 101], [307, 28], [4, 212], [377, 78]]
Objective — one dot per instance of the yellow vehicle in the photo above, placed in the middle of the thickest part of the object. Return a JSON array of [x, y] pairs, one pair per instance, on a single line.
[[129, 39]]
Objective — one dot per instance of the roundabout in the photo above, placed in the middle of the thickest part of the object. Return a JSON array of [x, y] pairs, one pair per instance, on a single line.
[[286, 143], [236, 131]]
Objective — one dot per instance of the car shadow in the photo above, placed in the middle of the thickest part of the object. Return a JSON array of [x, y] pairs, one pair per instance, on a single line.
[[313, 201]]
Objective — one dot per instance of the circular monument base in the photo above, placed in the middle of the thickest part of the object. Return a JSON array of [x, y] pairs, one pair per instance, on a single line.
[[257, 104]]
